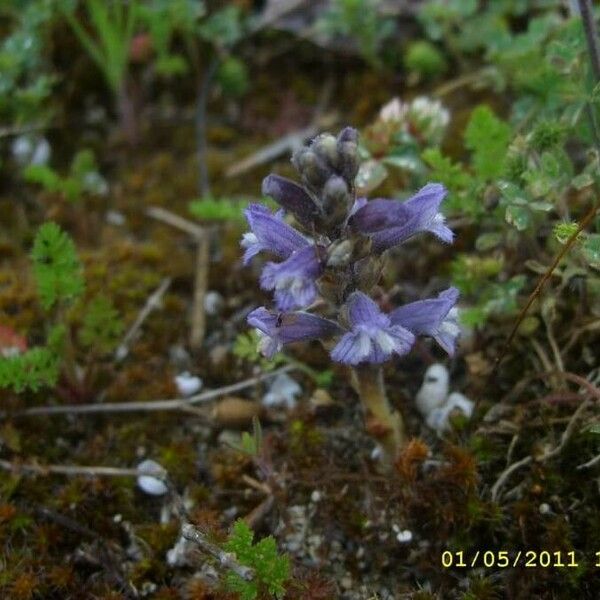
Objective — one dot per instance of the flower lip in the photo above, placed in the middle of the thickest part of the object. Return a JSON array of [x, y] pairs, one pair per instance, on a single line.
[[269, 232], [293, 198], [372, 338], [278, 329], [391, 222], [294, 280], [436, 317]]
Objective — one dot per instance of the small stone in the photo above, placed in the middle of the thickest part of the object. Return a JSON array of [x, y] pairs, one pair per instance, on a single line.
[[321, 398], [213, 303], [187, 384], [149, 484], [545, 509], [404, 536], [116, 218], [316, 496]]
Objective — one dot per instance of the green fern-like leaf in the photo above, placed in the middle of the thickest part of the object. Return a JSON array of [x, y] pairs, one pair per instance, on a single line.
[[487, 137], [102, 327], [36, 368], [56, 267], [271, 570]]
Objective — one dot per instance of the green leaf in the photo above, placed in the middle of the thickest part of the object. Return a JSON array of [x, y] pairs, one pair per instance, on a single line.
[[370, 175], [518, 216], [102, 327], [563, 231], [218, 209], [35, 368], [582, 180], [56, 267], [487, 241], [271, 570], [487, 137], [591, 249]]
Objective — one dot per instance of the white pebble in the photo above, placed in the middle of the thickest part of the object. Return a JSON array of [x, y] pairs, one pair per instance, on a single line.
[[316, 496], [149, 484], [187, 384], [404, 536], [545, 509], [213, 303]]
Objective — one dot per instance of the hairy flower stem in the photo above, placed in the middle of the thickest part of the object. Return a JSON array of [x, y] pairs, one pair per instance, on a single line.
[[381, 421]]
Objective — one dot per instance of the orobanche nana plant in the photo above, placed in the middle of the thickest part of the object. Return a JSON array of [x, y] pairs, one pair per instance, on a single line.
[[339, 257]]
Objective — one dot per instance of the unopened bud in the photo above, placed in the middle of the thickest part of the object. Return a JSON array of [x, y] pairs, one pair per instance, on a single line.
[[329, 287], [349, 161], [367, 272], [312, 169], [340, 253], [362, 246], [336, 201], [325, 145]]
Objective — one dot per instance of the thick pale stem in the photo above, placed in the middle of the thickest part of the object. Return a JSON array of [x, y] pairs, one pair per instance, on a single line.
[[381, 420]]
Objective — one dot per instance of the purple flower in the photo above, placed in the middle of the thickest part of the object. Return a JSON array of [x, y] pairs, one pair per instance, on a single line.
[[436, 317], [390, 222], [269, 232], [277, 329], [294, 280], [292, 198], [372, 337]]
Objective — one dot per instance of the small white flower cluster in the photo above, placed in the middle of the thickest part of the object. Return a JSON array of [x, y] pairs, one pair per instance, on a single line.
[[428, 116], [434, 402]]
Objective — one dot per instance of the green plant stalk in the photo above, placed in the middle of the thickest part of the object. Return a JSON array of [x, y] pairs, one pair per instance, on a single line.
[[382, 422], [114, 28]]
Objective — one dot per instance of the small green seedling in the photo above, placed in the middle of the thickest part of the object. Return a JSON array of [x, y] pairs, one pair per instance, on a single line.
[[271, 570]]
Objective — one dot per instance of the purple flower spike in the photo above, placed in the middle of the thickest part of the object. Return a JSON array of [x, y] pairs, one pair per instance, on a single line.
[[436, 317], [390, 222], [269, 232], [277, 329], [292, 198], [294, 279], [372, 337]]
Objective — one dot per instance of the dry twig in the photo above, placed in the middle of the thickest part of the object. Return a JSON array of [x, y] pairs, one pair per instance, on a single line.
[[153, 302], [152, 405], [226, 559]]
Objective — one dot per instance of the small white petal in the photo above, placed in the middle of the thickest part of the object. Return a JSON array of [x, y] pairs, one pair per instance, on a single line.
[[248, 239], [385, 341], [434, 390], [457, 400]]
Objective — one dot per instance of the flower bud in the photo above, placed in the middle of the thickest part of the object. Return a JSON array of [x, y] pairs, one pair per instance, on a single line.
[[336, 201], [329, 287], [325, 145], [347, 147], [367, 272], [340, 253], [313, 170]]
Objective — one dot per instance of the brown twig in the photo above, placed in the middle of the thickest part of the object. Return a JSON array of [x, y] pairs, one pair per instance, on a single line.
[[202, 239], [152, 405], [198, 328], [566, 436], [226, 559], [153, 302], [538, 288], [95, 471]]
